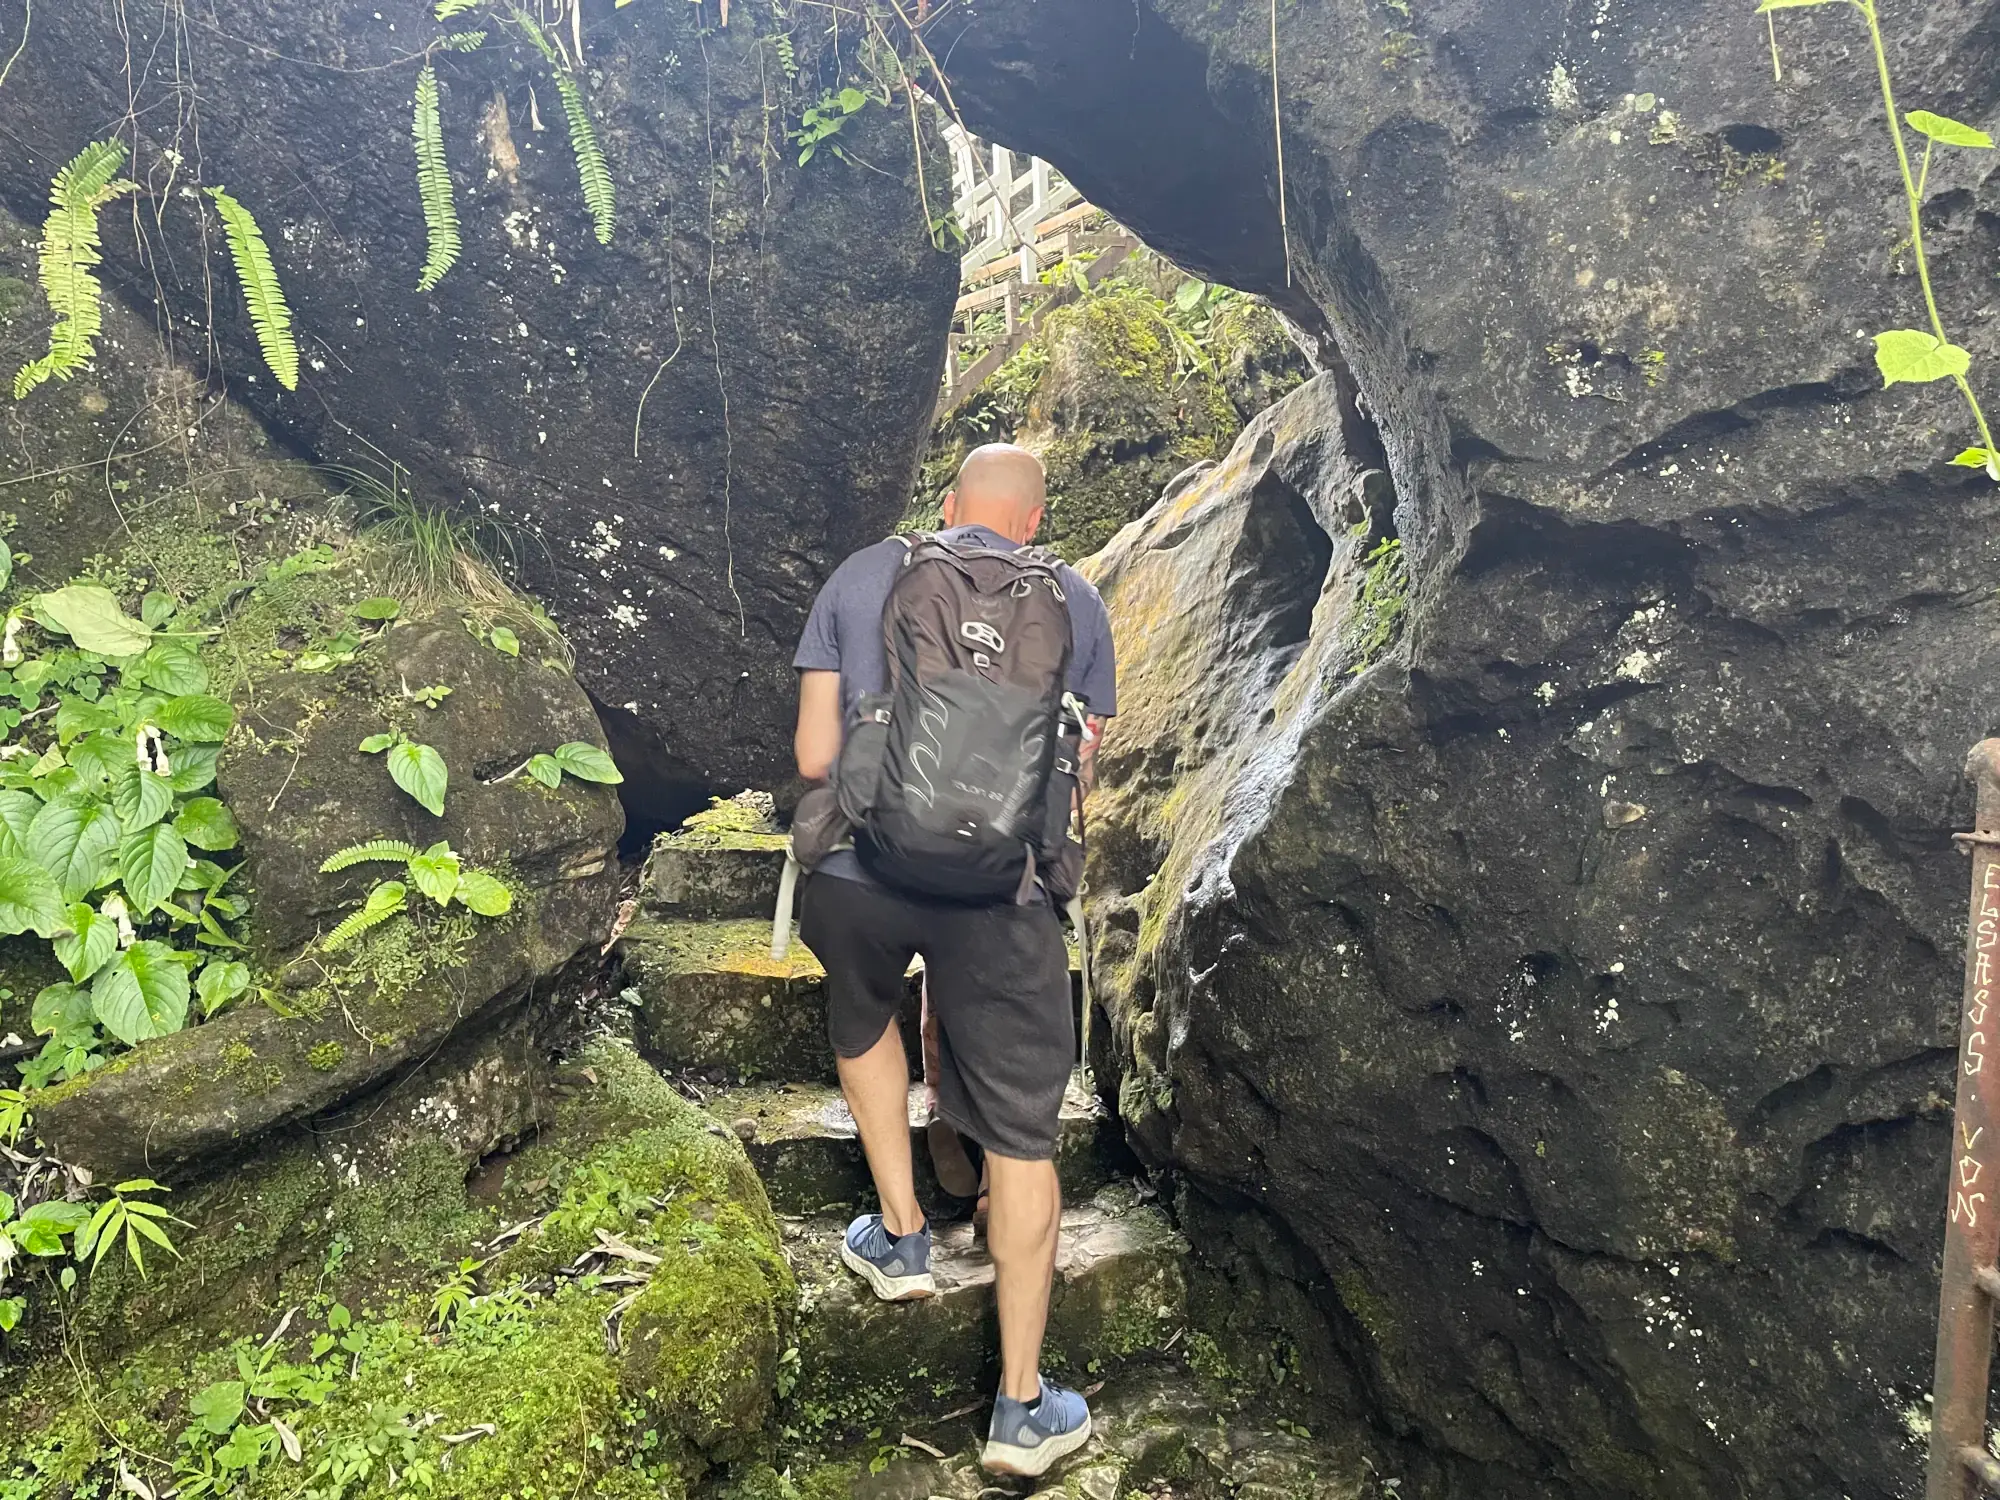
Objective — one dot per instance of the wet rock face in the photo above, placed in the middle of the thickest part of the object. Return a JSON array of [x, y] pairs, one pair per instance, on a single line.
[[782, 325], [1574, 987]]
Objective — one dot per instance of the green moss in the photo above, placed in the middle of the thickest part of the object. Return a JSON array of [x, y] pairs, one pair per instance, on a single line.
[[326, 1057], [1385, 596]]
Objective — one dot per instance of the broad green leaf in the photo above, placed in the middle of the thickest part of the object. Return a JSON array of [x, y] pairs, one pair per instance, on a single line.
[[92, 939], [219, 1406], [30, 899], [156, 609], [1188, 295], [545, 770], [1948, 132], [852, 99], [420, 771], [379, 608], [196, 716], [375, 744], [75, 839], [194, 768], [221, 981], [435, 872], [75, 717], [139, 797], [206, 824], [6, 577], [588, 763], [483, 894], [173, 668], [17, 811], [150, 864], [142, 993], [1910, 355], [505, 641], [11, 1308], [88, 614], [102, 757], [62, 1010]]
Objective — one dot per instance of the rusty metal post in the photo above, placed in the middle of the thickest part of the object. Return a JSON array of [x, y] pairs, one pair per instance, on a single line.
[[1958, 1462]]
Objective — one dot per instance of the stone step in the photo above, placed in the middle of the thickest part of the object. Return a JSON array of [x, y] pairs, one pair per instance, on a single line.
[[713, 1002], [802, 1139], [702, 873], [1119, 1293]]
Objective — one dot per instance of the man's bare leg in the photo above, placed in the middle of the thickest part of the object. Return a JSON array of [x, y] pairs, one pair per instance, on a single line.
[[1021, 1236], [877, 1086]]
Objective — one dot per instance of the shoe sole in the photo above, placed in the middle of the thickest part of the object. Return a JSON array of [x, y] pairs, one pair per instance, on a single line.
[[889, 1288], [955, 1172], [1032, 1463]]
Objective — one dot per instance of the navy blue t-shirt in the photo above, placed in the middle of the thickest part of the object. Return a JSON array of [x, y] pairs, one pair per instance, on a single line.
[[844, 634]]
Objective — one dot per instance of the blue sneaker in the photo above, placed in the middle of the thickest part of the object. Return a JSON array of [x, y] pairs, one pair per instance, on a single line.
[[898, 1269], [1030, 1442]]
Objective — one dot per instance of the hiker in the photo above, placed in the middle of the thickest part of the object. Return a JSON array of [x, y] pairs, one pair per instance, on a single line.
[[942, 764]]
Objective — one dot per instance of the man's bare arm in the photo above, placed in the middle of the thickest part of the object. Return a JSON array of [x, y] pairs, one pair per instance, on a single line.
[[1093, 736], [816, 742]]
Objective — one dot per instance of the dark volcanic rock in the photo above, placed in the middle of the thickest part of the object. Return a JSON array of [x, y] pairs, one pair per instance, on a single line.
[[1574, 986], [783, 326]]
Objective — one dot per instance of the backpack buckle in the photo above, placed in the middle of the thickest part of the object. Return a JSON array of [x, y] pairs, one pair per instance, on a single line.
[[979, 633]]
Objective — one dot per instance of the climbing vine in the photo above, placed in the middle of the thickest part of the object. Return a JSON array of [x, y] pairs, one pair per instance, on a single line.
[[1913, 355]]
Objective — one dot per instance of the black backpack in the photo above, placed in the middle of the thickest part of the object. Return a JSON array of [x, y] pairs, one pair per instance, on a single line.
[[960, 780]]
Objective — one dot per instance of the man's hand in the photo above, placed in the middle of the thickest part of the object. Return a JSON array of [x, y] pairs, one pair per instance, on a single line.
[[1093, 734], [816, 742]]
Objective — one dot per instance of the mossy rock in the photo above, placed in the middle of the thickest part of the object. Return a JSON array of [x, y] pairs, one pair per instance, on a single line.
[[540, 1388], [711, 997]]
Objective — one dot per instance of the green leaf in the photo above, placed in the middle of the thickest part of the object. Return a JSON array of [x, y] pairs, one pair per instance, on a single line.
[[75, 717], [1770, 5], [156, 609], [197, 717], [505, 641], [481, 893], [852, 99], [75, 839], [194, 768], [206, 824], [379, 608], [434, 191], [221, 981], [174, 668], [1188, 295], [219, 1406], [588, 763], [30, 899], [62, 1011], [150, 864], [1910, 355], [92, 939], [88, 614], [141, 994], [139, 797], [102, 758], [17, 811], [420, 771], [1948, 132], [545, 770], [263, 294], [435, 872], [375, 744]]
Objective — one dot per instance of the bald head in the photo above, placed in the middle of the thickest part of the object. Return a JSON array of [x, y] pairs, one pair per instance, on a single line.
[[1000, 487]]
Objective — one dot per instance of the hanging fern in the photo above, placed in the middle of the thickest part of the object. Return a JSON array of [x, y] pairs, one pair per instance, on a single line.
[[591, 170], [446, 9], [68, 251], [433, 184], [269, 314], [465, 41], [395, 851], [383, 903]]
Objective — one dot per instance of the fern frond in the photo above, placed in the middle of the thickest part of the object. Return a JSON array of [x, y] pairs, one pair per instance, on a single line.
[[465, 41], [591, 170], [269, 313], [69, 249], [382, 903], [446, 9], [393, 850], [433, 184]]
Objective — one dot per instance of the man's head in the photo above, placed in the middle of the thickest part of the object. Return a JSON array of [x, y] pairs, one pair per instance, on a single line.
[[1002, 488]]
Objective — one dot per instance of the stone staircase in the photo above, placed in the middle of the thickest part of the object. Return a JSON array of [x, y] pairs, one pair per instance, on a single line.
[[745, 1034]]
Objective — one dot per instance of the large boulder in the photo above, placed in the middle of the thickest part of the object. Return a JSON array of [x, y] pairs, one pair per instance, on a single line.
[[781, 325], [1566, 1000]]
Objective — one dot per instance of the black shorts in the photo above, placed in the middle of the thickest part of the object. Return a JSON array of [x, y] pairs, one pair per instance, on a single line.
[[999, 986]]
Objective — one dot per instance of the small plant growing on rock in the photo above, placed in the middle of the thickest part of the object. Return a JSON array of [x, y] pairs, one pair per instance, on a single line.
[[1914, 355], [418, 769], [436, 872], [578, 758]]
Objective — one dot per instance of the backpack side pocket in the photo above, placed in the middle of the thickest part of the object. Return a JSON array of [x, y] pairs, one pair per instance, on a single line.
[[857, 775]]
